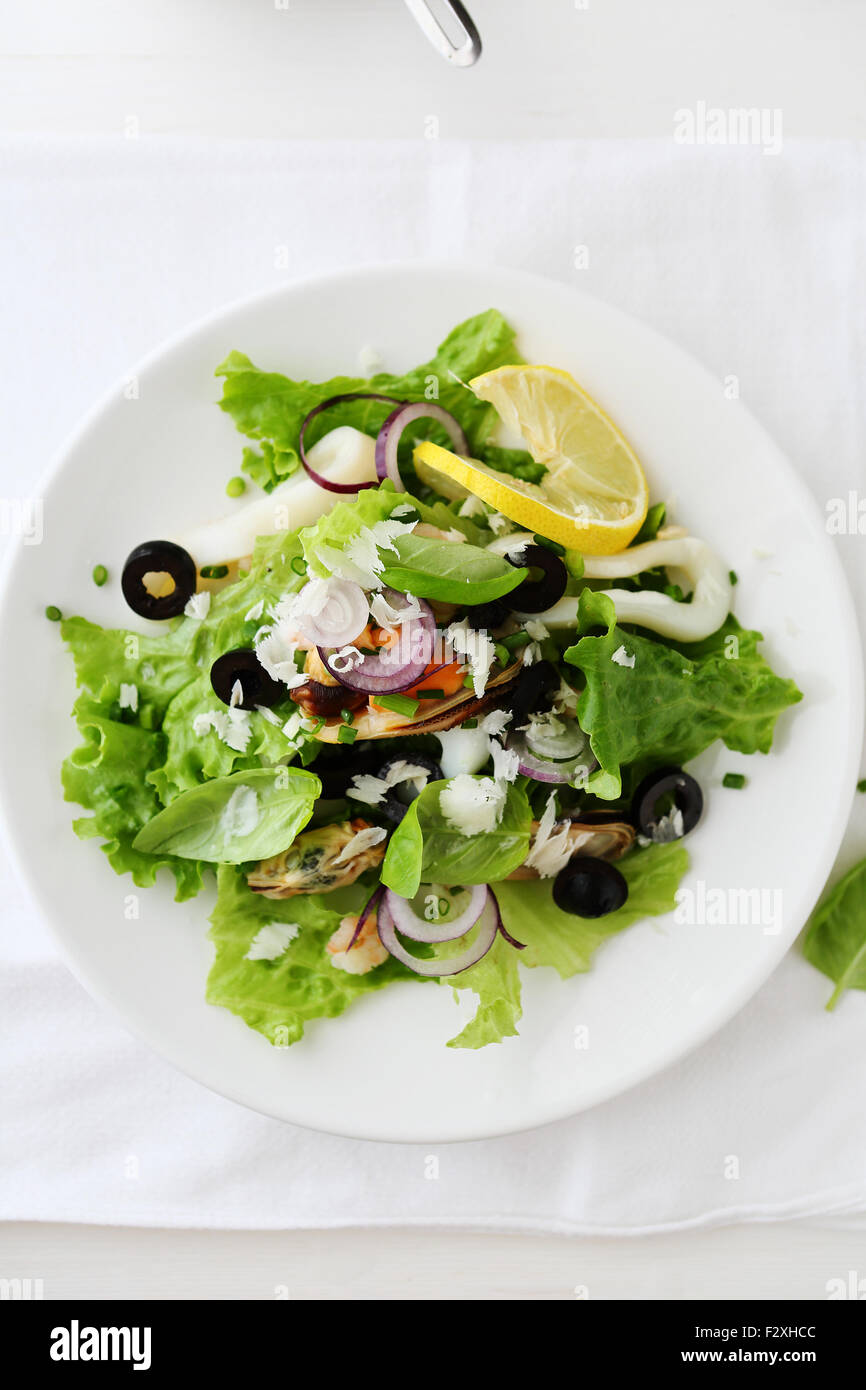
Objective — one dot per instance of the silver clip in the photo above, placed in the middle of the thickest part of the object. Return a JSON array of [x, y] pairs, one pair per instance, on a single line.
[[465, 48]]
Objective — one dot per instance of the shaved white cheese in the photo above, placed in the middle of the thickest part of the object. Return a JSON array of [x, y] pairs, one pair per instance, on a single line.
[[669, 827], [272, 940], [237, 694], [472, 805], [478, 649], [472, 506], [231, 726], [531, 653], [500, 525], [128, 696], [372, 790], [268, 714], [241, 813], [404, 509], [506, 763], [198, 605], [550, 850], [623, 658], [276, 646], [254, 613], [389, 617], [363, 840], [496, 722], [565, 699], [536, 629]]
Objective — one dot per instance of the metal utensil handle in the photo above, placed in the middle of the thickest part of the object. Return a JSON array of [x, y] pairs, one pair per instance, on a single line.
[[462, 54]]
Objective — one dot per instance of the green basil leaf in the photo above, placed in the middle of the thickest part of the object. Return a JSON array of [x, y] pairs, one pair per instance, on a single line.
[[249, 815], [426, 849], [452, 571], [836, 937]]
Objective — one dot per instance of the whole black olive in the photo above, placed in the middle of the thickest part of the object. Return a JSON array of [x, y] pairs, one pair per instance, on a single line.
[[687, 799], [336, 766], [537, 595], [533, 690], [257, 687], [158, 557], [486, 617], [393, 805], [589, 887]]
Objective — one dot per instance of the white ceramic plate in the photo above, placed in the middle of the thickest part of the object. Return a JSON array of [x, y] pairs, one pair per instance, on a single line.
[[142, 467]]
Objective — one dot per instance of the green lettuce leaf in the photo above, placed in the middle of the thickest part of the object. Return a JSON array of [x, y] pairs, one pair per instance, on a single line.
[[560, 940], [270, 408], [676, 700], [232, 820], [426, 849], [835, 940], [279, 997]]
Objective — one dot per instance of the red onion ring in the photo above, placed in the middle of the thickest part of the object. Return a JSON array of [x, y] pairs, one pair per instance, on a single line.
[[410, 924], [343, 616], [487, 928], [368, 907], [317, 410], [546, 769], [380, 675], [388, 438], [500, 925]]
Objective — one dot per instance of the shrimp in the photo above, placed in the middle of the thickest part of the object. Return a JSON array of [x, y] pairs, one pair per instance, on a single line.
[[367, 952]]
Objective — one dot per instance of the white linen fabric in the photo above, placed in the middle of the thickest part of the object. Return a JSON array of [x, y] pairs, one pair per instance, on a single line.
[[756, 263]]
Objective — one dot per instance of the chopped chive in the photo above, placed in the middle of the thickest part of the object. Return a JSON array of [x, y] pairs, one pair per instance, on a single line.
[[429, 695], [516, 640], [503, 655], [319, 724], [398, 704], [732, 575], [299, 564], [469, 724], [468, 683], [100, 575], [214, 571], [346, 735], [235, 487], [53, 613], [735, 780], [549, 545], [347, 716], [861, 785]]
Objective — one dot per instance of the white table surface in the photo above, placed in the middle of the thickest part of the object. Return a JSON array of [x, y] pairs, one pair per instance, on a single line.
[[281, 68]]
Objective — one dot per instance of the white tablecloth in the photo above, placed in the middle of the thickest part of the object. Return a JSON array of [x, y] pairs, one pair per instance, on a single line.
[[757, 264]]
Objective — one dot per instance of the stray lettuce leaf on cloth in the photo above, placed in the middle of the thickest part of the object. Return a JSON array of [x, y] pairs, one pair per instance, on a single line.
[[835, 941], [270, 408], [675, 700]]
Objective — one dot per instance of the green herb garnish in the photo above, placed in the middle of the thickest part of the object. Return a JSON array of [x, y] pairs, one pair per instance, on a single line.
[[100, 575], [398, 704], [735, 780]]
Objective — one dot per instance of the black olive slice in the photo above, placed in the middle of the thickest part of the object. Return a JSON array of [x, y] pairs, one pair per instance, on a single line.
[[485, 617], [336, 766], [396, 802], [158, 557], [257, 687], [532, 691], [669, 782], [537, 595], [589, 887]]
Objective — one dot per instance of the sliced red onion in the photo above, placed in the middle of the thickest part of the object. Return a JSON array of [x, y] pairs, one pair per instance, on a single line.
[[548, 769], [487, 928], [368, 907], [500, 926], [410, 924], [342, 613], [388, 438], [393, 668], [317, 410], [569, 741]]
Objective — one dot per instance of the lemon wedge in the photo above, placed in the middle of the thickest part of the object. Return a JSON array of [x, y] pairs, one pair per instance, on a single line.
[[594, 495]]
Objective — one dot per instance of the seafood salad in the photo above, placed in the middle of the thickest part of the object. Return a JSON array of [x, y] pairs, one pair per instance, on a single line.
[[423, 700]]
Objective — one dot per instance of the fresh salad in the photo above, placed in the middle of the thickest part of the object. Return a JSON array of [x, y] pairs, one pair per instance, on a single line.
[[423, 705]]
